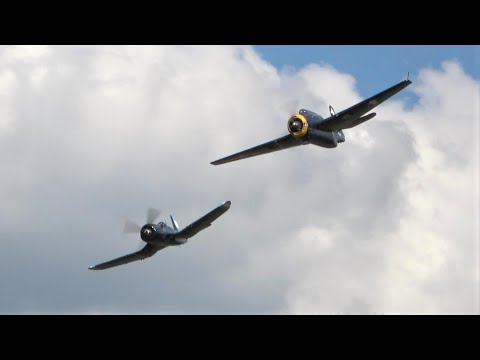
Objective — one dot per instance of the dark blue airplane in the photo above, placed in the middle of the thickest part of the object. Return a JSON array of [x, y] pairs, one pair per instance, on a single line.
[[159, 236], [306, 127]]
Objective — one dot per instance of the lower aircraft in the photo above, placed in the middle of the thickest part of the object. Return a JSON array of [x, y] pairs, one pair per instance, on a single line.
[[159, 236]]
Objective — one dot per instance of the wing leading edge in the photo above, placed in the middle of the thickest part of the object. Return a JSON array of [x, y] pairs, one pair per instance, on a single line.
[[148, 251], [284, 142], [204, 222], [346, 118]]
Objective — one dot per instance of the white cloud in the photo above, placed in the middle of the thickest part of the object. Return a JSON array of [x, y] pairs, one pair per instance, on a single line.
[[385, 223], [25, 53]]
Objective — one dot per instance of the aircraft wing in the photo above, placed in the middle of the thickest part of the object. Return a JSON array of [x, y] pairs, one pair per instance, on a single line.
[[204, 222], [345, 118], [284, 142], [146, 252]]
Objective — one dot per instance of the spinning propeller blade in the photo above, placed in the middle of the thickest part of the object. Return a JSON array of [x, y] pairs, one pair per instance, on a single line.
[[152, 215], [131, 227]]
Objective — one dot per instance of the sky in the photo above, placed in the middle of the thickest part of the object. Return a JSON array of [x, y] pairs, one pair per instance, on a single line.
[[386, 223]]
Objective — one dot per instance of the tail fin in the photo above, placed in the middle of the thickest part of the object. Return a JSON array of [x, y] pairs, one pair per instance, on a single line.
[[332, 112], [175, 224]]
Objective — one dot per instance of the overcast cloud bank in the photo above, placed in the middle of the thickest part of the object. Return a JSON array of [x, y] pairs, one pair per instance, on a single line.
[[385, 223]]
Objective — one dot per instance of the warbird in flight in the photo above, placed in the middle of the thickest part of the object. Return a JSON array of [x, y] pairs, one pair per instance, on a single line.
[[306, 127], [159, 236]]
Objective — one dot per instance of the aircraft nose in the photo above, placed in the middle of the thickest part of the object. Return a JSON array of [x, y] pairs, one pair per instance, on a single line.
[[296, 126], [227, 204]]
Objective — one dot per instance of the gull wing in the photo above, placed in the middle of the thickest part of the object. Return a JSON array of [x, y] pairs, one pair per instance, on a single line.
[[204, 222], [146, 252]]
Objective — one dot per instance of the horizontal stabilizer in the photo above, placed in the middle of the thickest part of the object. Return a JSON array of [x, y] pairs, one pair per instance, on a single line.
[[360, 121]]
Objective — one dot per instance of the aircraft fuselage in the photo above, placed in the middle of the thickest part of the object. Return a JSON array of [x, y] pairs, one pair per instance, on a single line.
[[160, 234], [324, 138]]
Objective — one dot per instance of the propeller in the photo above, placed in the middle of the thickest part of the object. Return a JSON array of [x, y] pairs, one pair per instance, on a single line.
[[131, 227], [152, 215]]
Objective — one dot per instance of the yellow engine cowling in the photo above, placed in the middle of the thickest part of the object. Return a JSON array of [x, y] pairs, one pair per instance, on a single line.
[[297, 126]]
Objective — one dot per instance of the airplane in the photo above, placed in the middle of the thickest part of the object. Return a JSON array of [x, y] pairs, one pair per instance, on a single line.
[[306, 127], [159, 236]]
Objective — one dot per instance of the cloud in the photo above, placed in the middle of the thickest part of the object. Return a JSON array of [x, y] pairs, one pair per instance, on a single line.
[[385, 223]]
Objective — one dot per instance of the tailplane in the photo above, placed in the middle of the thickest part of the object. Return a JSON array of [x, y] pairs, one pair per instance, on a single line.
[[360, 121]]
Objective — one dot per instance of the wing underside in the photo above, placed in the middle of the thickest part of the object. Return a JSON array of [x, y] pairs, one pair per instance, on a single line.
[[347, 118], [204, 222], [284, 142], [147, 251]]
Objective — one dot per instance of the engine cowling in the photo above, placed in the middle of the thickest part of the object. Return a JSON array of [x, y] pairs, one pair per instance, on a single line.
[[147, 233], [297, 126]]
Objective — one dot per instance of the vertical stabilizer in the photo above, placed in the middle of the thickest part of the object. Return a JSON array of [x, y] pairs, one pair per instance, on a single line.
[[175, 224], [332, 112]]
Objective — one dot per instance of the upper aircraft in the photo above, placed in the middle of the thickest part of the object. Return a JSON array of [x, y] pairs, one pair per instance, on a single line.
[[306, 127], [159, 236]]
